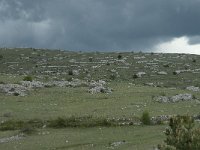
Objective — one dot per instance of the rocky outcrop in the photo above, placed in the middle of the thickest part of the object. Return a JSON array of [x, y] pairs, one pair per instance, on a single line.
[[176, 98]]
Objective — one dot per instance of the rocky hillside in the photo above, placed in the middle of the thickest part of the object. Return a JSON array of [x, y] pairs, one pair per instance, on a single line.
[[152, 69]]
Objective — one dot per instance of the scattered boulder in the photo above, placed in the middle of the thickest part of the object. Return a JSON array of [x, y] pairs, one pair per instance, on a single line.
[[162, 73], [163, 99], [140, 74], [116, 144], [149, 84]]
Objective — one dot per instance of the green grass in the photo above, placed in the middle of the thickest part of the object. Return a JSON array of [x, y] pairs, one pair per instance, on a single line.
[[136, 137], [126, 101]]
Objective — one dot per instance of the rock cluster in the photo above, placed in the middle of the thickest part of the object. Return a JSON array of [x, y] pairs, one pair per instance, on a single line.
[[73, 83], [32, 84], [99, 87], [12, 138], [176, 98], [24, 86], [116, 144], [193, 88], [160, 119], [13, 89]]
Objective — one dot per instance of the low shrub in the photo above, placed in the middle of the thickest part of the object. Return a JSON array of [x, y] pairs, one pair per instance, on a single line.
[[11, 125], [87, 121], [27, 129]]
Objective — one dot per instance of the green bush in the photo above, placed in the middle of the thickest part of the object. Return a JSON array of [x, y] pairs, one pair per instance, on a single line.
[[28, 78], [1, 57], [146, 119], [181, 134], [70, 72], [119, 56], [135, 76]]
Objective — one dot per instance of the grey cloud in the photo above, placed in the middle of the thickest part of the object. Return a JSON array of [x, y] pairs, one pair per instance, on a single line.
[[97, 24], [194, 40]]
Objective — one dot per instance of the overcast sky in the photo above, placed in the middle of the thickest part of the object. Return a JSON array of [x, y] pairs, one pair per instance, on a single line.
[[103, 25]]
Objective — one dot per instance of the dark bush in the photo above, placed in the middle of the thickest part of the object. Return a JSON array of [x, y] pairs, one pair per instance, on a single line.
[[135, 76], [70, 72], [2, 82], [16, 94], [119, 56], [174, 73], [90, 59], [28, 78], [194, 60]]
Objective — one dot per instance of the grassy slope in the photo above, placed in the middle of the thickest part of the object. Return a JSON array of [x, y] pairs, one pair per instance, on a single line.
[[127, 100]]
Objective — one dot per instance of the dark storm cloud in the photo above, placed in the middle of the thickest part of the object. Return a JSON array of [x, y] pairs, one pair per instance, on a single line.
[[97, 24]]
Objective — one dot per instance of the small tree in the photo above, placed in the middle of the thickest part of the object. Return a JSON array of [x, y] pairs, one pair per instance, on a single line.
[[181, 134], [145, 119]]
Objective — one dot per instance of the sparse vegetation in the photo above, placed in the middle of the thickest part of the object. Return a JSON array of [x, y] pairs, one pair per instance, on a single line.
[[101, 97], [60, 122]]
